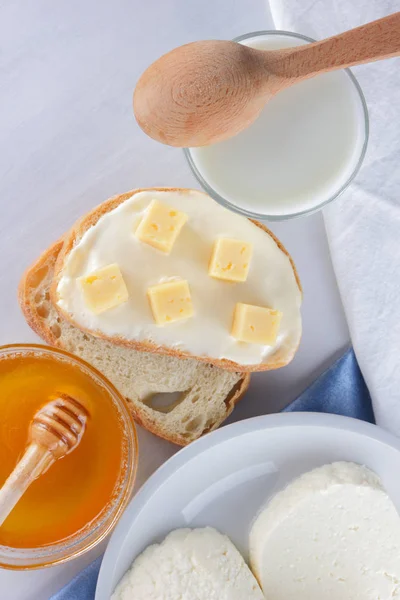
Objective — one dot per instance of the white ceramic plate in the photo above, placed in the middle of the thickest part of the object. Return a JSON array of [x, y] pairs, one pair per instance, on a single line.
[[223, 479]]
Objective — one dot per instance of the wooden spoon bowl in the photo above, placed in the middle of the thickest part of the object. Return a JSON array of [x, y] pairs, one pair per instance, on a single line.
[[177, 99]]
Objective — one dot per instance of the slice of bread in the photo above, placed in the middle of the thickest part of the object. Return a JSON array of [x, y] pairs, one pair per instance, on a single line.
[[207, 394], [280, 357]]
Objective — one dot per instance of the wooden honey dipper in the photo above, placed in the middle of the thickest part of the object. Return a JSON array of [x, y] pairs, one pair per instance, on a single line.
[[55, 431]]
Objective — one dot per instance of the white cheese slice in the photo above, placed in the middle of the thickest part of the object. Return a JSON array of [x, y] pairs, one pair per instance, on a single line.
[[333, 533], [190, 564]]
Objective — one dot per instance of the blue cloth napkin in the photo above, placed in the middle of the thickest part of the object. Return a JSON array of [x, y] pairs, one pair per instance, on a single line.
[[341, 390]]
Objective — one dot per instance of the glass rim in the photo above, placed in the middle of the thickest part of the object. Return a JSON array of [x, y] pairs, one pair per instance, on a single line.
[[20, 559], [283, 217]]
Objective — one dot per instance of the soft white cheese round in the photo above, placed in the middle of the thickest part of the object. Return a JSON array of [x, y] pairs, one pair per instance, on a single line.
[[190, 564], [333, 533], [270, 282]]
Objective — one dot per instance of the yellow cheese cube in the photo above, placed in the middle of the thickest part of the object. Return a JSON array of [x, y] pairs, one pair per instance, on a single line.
[[160, 226], [255, 324], [230, 260], [170, 301], [104, 289]]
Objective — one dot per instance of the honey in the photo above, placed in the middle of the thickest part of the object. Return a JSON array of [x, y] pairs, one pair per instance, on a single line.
[[77, 489]]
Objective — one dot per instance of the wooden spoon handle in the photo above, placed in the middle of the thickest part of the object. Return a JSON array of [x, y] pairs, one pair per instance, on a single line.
[[373, 41], [36, 460]]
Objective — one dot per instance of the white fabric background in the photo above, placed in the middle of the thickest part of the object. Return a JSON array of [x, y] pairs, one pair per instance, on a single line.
[[363, 226]]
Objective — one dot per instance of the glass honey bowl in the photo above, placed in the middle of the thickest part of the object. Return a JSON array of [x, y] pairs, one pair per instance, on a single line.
[[77, 502]]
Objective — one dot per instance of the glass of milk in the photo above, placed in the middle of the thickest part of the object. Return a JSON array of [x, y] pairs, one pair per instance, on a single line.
[[301, 153]]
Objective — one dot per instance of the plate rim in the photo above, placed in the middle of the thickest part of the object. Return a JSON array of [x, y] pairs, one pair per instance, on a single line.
[[184, 455]]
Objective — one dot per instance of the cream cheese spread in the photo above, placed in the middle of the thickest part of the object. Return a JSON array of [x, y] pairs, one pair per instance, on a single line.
[[270, 282]]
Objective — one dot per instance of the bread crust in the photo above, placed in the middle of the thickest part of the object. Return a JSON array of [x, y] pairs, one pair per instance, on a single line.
[[26, 293], [27, 284], [72, 238]]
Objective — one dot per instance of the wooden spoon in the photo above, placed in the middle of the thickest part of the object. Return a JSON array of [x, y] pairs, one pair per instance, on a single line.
[[56, 429], [208, 91]]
